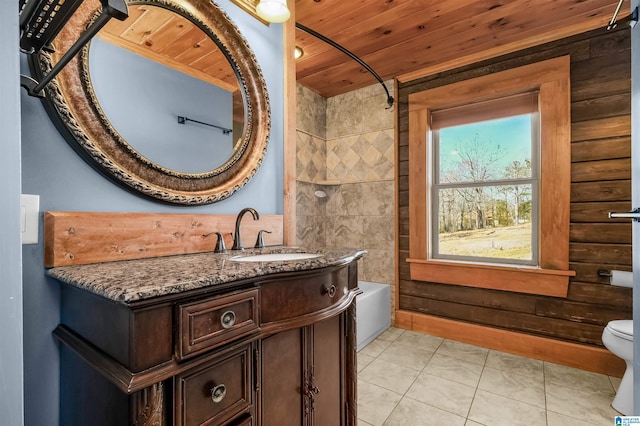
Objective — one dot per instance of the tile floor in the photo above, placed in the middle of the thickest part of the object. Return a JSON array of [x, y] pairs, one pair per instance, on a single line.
[[412, 379]]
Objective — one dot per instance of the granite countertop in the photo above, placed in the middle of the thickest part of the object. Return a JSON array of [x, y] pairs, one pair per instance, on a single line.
[[130, 281]]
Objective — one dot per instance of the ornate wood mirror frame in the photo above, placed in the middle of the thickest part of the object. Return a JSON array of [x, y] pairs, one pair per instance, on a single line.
[[71, 103]]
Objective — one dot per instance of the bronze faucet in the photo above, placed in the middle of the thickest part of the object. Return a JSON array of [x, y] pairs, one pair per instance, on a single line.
[[237, 241]]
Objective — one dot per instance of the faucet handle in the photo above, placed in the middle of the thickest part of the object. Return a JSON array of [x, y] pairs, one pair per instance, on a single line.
[[260, 240], [220, 247]]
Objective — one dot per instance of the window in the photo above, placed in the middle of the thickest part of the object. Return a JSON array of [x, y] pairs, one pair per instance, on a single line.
[[484, 183]]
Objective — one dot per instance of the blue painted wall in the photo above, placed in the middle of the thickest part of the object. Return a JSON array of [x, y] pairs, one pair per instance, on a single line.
[[143, 100], [10, 250], [65, 182]]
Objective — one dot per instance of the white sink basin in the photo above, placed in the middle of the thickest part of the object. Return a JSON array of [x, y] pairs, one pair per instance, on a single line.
[[274, 257]]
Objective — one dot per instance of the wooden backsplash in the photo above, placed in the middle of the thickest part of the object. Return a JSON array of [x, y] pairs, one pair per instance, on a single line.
[[74, 238]]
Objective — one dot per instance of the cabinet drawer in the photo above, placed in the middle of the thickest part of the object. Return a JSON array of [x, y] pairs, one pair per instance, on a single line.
[[289, 298], [216, 392], [248, 421], [206, 324]]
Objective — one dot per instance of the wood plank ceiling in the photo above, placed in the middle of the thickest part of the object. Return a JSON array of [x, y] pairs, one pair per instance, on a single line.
[[166, 37], [402, 37], [397, 38]]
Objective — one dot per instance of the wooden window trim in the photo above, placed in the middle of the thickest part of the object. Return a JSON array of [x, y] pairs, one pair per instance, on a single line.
[[552, 79]]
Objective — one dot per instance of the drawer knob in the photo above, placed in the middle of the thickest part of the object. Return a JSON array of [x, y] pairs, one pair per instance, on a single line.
[[218, 393], [330, 290], [228, 319]]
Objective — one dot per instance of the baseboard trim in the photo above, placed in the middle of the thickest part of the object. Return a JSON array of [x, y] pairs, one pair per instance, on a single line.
[[585, 357]]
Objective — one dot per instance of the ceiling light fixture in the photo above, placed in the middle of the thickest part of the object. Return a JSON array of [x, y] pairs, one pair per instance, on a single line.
[[298, 52], [274, 11]]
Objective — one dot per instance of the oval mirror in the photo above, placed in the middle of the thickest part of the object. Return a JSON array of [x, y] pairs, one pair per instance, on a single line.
[[167, 89], [169, 103]]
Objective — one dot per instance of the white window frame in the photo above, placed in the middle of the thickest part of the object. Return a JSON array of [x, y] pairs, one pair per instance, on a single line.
[[533, 180]]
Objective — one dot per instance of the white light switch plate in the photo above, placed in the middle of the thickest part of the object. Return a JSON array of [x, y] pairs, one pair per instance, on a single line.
[[29, 216]]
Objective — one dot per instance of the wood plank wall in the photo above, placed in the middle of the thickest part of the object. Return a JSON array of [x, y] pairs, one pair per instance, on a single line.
[[600, 182]]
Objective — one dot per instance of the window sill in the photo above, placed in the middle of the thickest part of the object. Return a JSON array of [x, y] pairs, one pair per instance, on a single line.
[[520, 279]]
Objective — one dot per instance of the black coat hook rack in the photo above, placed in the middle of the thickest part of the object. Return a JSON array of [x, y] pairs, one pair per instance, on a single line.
[[42, 20], [183, 120]]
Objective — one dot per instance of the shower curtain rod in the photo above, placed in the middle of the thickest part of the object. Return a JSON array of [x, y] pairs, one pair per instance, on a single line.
[[351, 55], [632, 18]]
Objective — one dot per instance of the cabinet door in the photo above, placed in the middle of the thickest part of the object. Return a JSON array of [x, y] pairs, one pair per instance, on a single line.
[[282, 378], [327, 372], [304, 380]]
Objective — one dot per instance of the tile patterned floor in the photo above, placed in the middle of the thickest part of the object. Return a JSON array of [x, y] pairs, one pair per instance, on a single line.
[[412, 379]]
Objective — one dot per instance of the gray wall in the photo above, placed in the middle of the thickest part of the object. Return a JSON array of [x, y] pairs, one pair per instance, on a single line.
[[66, 183], [10, 252]]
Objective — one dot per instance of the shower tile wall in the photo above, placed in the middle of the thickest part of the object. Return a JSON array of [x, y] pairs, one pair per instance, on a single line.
[[311, 146], [311, 158], [345, 148]]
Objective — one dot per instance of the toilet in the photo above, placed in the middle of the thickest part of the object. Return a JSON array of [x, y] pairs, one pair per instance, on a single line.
[[618, 338]]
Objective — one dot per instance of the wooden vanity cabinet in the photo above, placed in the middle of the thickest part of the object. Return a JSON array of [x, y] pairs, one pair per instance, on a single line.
[[274, 352]]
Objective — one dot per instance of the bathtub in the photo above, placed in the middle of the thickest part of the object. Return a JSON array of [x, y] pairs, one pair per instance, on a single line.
[[373, 311]]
